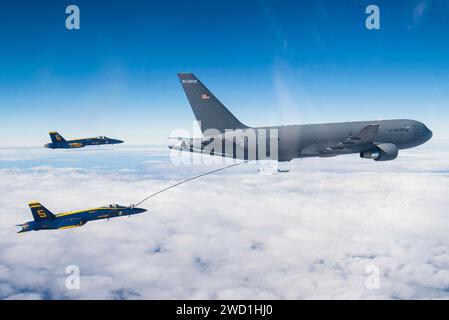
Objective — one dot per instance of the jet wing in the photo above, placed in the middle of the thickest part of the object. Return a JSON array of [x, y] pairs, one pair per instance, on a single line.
[[365, 136]]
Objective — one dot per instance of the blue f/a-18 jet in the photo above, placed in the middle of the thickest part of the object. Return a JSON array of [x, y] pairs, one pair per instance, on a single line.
[[45, 220], [58, 142]]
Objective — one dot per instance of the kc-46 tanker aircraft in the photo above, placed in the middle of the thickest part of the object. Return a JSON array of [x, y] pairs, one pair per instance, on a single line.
[[379, 140]]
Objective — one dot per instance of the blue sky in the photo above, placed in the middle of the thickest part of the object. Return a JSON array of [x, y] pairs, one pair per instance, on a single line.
[[270, 62]]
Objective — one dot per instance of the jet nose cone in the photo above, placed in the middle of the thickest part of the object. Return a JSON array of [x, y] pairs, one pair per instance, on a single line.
[[47, 145], [430, 133], [139, 210], [119, 141], [427, 133]]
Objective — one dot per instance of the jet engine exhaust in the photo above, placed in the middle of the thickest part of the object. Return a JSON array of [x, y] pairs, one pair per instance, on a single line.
[[370, 154]]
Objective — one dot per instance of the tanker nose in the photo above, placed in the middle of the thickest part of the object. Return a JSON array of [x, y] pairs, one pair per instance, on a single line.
[[427, 133]]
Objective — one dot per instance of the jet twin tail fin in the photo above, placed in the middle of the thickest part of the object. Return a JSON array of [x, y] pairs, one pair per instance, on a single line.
[[56, 137], [40, 213]]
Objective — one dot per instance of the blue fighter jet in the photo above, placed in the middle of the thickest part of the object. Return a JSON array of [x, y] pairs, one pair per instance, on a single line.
[[58, 142], [45, 220]]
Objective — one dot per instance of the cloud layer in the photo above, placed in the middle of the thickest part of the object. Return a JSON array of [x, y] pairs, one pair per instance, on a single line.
[[309, 233]]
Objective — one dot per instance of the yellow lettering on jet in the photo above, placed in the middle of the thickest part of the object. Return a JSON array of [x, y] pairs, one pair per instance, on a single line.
[[41, 213]]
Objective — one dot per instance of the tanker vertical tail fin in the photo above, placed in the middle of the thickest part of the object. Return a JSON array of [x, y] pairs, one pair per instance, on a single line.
[[207, 108]]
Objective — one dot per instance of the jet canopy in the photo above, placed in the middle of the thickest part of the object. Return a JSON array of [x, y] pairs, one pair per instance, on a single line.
[[115, 206]]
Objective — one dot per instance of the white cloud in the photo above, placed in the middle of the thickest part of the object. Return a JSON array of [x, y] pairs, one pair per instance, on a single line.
[[417, 12], [309, 233]]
